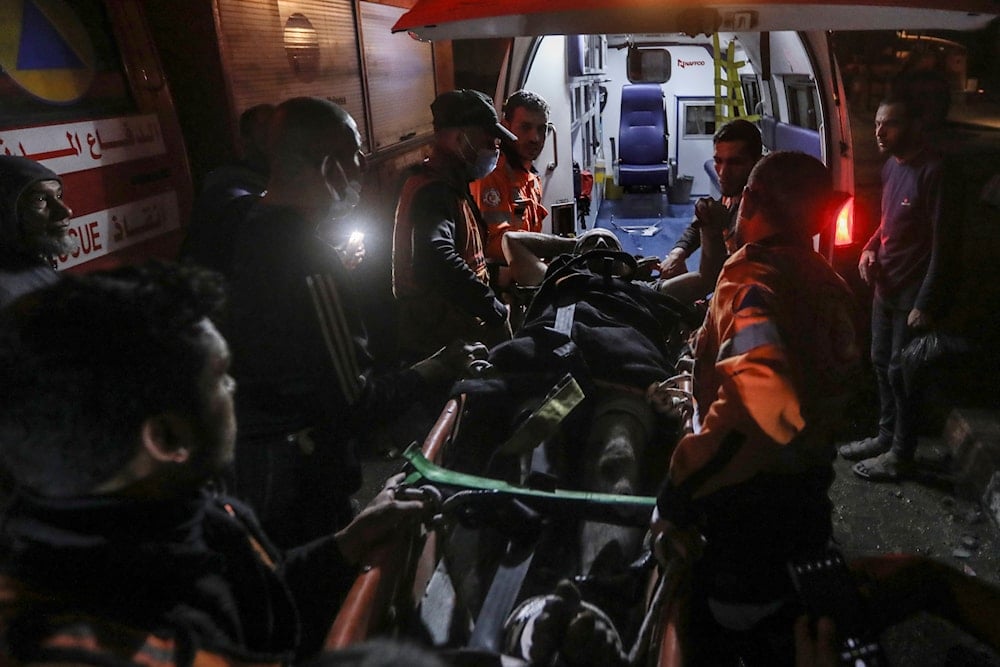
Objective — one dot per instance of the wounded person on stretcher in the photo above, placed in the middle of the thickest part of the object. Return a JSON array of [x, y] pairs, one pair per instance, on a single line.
[[619, 340], [592, 317], [529, 253]]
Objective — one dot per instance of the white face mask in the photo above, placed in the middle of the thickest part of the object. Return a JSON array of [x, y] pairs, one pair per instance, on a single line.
[[485, 161], [344, 204]]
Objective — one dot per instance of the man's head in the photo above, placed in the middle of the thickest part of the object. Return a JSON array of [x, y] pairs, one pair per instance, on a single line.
[[788, 193], [466, 128], [316, 158], [254, 123], [34, 220], [597, 239], [737, 148], [526, 115], [898, 131], [116, 382]]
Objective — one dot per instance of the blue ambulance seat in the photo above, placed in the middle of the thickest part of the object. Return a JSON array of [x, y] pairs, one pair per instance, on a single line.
[[642, 137]]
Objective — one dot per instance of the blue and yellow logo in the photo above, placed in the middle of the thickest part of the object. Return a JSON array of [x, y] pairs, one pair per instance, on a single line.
[[45, 49]]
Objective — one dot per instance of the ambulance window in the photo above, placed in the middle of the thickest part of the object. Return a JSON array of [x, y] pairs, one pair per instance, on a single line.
[[751, 94], [699, 120], [596, 54], [648, 65], [802, 107], [59, 65], [585, 54]]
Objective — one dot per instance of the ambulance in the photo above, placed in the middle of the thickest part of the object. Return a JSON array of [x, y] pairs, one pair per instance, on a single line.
[[775, 64], [134, 102]]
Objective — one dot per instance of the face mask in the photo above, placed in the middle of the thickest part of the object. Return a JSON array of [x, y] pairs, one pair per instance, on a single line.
[[485, 161], [342, 205]]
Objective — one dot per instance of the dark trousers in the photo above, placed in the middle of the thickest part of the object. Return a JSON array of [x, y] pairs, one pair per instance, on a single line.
[[300, 488], [752, 530], [898, 405]]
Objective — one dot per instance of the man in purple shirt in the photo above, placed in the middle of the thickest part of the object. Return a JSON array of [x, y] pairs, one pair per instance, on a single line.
[[904, 262]]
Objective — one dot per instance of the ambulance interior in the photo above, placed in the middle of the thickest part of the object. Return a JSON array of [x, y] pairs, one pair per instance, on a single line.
[[702, 82]]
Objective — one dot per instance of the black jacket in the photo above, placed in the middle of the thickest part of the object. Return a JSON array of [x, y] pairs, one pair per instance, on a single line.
[[195, 569]]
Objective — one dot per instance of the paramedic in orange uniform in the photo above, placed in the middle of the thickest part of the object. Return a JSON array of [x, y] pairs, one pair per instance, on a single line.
[[775, 362], [511, 196]]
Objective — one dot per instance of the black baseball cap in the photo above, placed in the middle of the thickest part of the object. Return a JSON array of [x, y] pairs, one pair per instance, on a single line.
[[460, 108]]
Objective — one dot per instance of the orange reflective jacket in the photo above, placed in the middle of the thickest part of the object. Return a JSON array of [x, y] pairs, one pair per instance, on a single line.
[[775, 362]]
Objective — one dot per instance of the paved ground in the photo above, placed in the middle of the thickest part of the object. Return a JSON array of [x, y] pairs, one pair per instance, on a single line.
[[921, 516]]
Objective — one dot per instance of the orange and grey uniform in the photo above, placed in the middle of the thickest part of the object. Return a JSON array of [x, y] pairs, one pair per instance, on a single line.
[[775, 362], [439, 271], [510, 198]]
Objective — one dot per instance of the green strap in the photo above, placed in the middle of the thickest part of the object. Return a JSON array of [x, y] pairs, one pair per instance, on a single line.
[[425, 471]]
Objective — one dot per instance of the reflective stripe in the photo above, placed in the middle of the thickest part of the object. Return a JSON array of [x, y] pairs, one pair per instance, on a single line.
[[336, 334], [564, 319], [749, 338]]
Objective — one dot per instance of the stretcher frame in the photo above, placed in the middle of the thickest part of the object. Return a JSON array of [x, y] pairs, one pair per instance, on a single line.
[[393, 578]]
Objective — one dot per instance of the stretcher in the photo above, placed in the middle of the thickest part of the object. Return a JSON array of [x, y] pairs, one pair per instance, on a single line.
[[400, 588], [506, 474]]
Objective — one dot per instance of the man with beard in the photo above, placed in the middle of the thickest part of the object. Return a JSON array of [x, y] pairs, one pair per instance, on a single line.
[[34, 226], [510, 198], [117, 547], [439, 273], [737, 148], [906, 261]]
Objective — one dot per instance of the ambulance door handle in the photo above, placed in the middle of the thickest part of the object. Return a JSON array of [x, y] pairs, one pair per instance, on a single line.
[[551, 166]]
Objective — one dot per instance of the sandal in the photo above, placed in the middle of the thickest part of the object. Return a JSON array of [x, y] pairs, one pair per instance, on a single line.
[[863, 449], [885, 467]]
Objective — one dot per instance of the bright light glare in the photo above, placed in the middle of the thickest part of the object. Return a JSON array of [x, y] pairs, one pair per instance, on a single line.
[[845, 223]]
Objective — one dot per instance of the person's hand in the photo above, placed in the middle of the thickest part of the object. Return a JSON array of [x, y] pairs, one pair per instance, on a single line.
[[383, 517], [460, 357], [919, 319], [671, 542], [645, 267], [867, 266], [666, 399], [576, 631], [456, 359], [815, 651], [673, 264], [352, 251], [711, 213]]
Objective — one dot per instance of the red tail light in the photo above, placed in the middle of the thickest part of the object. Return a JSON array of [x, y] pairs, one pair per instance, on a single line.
[[844, 230]]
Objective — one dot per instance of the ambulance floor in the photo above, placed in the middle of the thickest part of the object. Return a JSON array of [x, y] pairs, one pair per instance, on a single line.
[[646, 223]]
